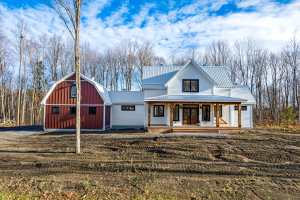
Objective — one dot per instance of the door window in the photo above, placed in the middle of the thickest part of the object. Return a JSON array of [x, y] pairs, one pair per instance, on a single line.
[[205, 113]]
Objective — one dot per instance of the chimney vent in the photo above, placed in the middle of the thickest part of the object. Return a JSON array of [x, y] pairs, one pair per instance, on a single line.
[[161, 64], [93, 78]]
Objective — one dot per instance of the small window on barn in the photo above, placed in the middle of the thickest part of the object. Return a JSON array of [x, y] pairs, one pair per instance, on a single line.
[[73, 110], [92, 110], [55, 110], [73, 91], [128, 108], [158, 110], [242, 108]]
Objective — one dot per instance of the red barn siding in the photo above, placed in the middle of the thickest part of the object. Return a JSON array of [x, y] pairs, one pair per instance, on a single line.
[[107, 116], [61, 94], [64, 120]]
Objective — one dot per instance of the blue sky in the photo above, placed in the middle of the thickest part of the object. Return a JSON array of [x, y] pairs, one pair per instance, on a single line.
[[170, 25]]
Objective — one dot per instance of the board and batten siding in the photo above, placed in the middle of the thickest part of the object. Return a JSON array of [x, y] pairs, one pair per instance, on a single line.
[[246, 116], [190, 72], [128, 118], [61, 97]]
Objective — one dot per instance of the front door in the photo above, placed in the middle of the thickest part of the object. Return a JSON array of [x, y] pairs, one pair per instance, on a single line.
[[190, 116]]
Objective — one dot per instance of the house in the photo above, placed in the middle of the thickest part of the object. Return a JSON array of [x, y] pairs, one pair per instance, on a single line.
[[172, 96]]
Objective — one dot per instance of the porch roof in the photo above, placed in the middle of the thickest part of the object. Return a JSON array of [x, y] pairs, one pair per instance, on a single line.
[[195, 98]]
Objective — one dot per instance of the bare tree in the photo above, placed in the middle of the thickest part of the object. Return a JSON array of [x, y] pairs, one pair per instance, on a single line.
[[19, 36], [72, 9]]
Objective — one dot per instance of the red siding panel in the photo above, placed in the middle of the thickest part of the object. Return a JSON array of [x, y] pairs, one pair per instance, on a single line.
[[64, 120], [61, 94], [107, 116]]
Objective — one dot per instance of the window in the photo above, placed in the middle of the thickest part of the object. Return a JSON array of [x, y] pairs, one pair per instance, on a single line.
[[176, 113], [73, 91], [55, 110], [128, 108], [92, 110], [191, 85], [158, 110], [73, 110], [242, 108], [206, 113], [220, 111]]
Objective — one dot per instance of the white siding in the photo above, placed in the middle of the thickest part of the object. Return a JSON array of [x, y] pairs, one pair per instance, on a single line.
[[127, 118], [190, 72], [246, 117]]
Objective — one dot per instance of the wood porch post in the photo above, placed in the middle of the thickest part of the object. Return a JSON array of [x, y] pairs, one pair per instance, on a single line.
[[240, 114], [218, 115], [149, 114], [171, 106]]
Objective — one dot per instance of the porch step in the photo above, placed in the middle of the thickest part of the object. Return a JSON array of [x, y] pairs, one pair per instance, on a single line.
[[195, 130]]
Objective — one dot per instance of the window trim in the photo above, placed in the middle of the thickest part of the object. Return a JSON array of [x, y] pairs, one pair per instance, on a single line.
[[127, 110], [183, 80], [71, 111], [236, 108], [178, 113], [53, 112], [90, 111], [71, 91], [158, 106]]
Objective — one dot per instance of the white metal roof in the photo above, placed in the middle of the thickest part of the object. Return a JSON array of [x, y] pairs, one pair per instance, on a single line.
[[158, 76], [127, 97], [242, 91], [103, 92], [195, 98]]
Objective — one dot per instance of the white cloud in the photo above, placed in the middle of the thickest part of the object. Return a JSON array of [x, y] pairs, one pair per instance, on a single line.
[[272, 24]]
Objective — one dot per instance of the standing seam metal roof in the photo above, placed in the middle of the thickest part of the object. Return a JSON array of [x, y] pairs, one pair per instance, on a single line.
[[202, 98], [158, 76], [118, 97]]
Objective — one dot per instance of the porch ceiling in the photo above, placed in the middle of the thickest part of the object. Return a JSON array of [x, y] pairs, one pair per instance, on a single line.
[[194, 98]]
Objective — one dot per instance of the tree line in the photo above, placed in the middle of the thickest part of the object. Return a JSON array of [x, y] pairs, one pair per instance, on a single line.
[[29, 62]]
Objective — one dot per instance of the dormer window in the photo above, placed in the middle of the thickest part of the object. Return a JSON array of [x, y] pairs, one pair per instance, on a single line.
[[190, 85]]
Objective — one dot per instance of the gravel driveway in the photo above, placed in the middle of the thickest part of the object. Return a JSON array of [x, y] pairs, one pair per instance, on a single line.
[[9, 134]]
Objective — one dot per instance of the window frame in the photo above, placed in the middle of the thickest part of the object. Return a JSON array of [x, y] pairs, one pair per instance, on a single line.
[[71, 111], [158, 107], [236, 108], [71, 91], [178, 112], [183, 80], [122, 109], [53, 110], [92, 113]]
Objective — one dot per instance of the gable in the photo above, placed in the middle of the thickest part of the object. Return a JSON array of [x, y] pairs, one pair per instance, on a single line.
[[190, 71]]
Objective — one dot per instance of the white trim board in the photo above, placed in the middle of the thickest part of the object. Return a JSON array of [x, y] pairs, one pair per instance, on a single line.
[[73, 104], [72, 129]]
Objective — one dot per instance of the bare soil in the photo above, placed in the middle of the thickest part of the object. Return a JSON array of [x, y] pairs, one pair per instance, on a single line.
[[256, 164]]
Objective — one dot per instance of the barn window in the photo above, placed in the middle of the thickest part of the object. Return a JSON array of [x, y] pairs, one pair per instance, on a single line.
[[128, 108], [158, 111], [55, 110], [73, 110], [73, 91], [92, 110], [191, 85], [242, 108]]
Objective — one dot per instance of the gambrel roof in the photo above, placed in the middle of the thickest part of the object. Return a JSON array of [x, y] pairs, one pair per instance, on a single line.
[[103, 92], [158, 76]]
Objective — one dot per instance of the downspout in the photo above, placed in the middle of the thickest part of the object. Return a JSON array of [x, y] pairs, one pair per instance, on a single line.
[[103, 116]]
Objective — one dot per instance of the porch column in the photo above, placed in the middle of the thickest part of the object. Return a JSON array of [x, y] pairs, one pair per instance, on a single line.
[[218, 115], [171, 106], [149, 113], [240, 115]]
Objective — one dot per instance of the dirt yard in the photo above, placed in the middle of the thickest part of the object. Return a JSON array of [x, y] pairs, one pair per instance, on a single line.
[[251, 165]]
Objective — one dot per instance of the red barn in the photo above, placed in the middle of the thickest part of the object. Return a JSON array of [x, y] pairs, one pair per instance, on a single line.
[[60, 105]]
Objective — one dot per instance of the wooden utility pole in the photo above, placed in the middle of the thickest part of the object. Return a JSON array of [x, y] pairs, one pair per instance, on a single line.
[[72, 9]]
